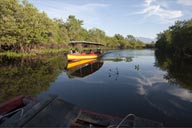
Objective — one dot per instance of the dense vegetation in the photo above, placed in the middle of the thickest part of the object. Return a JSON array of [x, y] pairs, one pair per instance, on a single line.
[[177, 39], [25, 29]]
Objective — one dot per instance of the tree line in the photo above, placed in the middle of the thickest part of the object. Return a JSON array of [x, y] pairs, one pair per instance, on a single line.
[[25, 29], [177, 40]]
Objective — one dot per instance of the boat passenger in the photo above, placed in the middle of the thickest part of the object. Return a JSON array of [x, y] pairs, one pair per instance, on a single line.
[[71, 51], [83, 53], [76, 51], [98, 51], [91, 52]]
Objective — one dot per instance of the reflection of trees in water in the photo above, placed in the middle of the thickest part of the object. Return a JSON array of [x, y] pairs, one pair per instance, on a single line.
[[119, 59], [179, 71], [28, 76], [114, 73], [137, 67]]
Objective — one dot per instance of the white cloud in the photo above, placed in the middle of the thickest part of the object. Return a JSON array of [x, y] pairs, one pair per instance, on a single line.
[[145, 83], [185, 2], [182, 93], [148, 2], [141, 91], [153, 8]]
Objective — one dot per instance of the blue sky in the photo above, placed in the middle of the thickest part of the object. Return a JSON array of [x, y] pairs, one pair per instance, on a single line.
[[141, 18]]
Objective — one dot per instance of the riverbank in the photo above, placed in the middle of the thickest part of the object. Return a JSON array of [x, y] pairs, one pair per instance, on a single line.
[[33, 53], [53, 51], [44, 51]]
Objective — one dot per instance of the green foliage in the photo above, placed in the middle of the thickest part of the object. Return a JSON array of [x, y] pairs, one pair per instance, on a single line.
[[14, 54], [74, 28], [96, 35], [45, 51], [130, 38], [151, 45], [120, 40], [177, 39], [61, 31], [134, 43], [24, 29]]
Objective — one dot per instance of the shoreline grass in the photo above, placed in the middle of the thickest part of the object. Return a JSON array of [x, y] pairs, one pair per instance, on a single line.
[[46, 51], [34, 53], [15, 54]]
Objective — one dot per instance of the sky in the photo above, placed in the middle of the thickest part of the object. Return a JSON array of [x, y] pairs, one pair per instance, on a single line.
[[140, 18]]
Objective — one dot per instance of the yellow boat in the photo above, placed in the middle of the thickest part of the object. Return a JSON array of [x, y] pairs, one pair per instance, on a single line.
[[72, 57], [74, 64]]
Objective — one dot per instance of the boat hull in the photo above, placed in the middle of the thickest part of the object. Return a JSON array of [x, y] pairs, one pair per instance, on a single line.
[[73, 57], [52, 111]]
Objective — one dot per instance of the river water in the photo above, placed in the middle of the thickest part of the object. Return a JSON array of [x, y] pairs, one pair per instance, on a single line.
[[142, 82]]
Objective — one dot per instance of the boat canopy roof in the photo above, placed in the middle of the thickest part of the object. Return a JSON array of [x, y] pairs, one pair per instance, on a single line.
[[85, 42]]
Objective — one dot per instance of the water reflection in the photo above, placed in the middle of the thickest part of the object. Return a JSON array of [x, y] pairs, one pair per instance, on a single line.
[[150, 85], [83, 68], [136, 86], [28, 76], [179, 71], [114, 73], [117, 59]]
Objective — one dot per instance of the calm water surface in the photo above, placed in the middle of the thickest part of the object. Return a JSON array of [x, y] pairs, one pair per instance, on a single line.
[[122, 82]]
